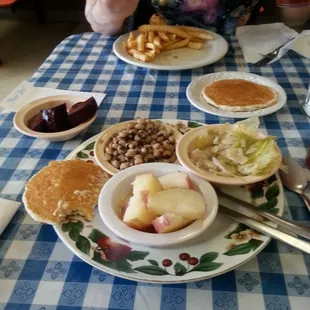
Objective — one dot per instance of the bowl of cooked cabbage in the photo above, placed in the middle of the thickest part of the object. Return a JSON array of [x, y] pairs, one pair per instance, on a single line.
[[230, 154]]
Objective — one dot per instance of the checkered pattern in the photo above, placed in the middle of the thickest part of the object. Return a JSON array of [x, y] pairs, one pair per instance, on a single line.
[[38, 272]]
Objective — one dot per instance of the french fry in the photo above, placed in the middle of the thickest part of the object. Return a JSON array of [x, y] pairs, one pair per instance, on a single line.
[[131, 44], [157, 20], [165, 45], [177, 45], [165, 28], [153, 47], [131, 51], [200, 35], [157, 42], [194, 39], [141, 42], [172, 36], [198, 30], [151, 54], [131, 37], [141, 56], [163, 36], [194, 45], [150, 36], [125, 44]]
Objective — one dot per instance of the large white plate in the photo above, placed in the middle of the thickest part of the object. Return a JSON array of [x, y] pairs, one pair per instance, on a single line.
[[179, 59], [223, 247], [194, 93]]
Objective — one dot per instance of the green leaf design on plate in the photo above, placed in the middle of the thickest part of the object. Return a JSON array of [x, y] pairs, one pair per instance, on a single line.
[[193, 125], [274, 210], [255, 243], [240, 227], [257, 193], [273, 192], [78, 225], [153, 262], [152, 270], [90, 146], [74, 234], [269, 204], [95, 235], [66, 226], [208, 257], [207, 266], [271, 179], [81, 155], [133, 256], [122, 266], [179, 269], [239, 249], [83, 244]]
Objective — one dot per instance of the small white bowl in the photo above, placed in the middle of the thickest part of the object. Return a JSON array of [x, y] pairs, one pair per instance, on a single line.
[[105, 138], [120, 185], [26, 112], [187, 144]]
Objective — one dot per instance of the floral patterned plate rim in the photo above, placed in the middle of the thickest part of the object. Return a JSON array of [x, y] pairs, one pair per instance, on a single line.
[[225, 246]]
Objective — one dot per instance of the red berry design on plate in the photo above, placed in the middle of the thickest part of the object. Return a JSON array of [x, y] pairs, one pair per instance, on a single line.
[[91, 153], [167, 263], [184, 256], [90, 161], [193, 261]]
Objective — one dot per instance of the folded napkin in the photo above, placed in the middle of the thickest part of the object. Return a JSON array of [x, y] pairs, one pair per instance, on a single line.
[[26, 92], [258, 40], [7, 210]]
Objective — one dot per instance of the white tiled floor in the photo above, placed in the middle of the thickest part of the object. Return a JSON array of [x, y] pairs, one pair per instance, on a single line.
[[25, 45]]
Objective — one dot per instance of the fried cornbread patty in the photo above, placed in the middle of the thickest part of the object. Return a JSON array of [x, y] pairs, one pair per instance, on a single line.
[[239, 95], [64, 188]]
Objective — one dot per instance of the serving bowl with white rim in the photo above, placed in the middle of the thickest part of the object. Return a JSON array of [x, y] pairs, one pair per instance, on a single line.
[[187, 144], [120, 185], [26, 112], [105, 138]]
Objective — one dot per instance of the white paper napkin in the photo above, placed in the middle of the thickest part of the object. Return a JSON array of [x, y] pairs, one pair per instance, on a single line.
[[263, 39], [26, 92], [7, 210]]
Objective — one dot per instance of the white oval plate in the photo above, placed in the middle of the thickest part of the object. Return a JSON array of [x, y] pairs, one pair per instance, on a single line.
[[120, 185], [194, 93], [179, 59], [223, 247]]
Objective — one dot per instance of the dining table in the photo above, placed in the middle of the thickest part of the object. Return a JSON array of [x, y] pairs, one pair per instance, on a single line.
[[38, 272]]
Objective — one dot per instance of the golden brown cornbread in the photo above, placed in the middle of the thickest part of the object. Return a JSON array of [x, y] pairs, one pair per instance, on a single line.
[[239, 95], [64, 188]]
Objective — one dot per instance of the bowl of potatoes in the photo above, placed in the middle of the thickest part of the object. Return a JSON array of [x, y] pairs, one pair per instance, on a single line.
[[136, 142], [157, 204]]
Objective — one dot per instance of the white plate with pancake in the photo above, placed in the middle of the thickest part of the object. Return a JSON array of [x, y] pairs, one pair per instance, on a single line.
[[178, 59], [196, 97]]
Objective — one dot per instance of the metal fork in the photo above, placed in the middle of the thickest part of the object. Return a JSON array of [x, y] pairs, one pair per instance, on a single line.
[[306, 104], [270, 56]]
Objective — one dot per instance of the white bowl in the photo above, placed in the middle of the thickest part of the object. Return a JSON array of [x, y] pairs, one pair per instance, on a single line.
[[120, 185], [105, 138], [26, 112], [187, 144]]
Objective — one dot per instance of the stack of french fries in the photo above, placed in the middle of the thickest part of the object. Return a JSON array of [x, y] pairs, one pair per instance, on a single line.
[[158, 37]]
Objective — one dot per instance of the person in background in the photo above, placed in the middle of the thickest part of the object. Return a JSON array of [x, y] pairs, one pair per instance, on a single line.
[[111, 17]]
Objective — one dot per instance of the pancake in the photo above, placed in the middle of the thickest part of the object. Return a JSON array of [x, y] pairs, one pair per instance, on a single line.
[[62, 189], [239, 95]]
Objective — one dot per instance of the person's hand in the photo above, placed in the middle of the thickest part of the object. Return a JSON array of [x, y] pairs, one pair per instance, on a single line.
[[107, 16]]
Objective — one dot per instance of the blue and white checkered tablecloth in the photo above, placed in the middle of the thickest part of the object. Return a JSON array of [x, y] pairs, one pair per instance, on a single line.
[[38, 272]]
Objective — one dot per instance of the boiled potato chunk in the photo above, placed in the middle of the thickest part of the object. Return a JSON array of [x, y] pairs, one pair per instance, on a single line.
[[146, 184], [169, 223], [137, 215], [178, 201], [174, 180]]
